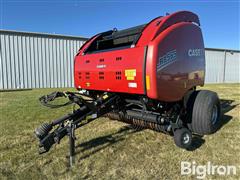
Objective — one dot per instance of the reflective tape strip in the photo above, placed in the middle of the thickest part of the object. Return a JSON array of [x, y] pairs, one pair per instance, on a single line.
[[147, 82]]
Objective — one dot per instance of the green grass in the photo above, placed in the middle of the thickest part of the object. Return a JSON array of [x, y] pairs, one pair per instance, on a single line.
[[108, 149]]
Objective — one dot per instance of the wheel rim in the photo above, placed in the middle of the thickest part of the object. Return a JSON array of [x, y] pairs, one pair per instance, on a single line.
[[186, 138], [214, 114]]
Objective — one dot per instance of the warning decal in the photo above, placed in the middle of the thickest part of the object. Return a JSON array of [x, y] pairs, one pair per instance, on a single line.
[[130, 74]]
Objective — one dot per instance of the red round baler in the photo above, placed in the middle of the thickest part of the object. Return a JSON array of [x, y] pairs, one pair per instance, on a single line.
[[146, 76]]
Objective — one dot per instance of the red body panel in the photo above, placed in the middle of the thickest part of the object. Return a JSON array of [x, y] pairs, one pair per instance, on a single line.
[[174, 61], [109, 66]]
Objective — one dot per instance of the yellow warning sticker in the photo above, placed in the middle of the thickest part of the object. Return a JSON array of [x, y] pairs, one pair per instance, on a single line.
[[130, 74]]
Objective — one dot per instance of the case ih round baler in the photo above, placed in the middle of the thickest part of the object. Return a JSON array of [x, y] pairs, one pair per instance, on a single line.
[[146, 76]]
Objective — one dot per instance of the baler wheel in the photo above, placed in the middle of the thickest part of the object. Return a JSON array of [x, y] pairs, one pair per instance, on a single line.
[[206, 113], [183, 138]]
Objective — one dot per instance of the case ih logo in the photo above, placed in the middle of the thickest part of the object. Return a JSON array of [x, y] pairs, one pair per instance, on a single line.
[[195, 52], [167, 59]]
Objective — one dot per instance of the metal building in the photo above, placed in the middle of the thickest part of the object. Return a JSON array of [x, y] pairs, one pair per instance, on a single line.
[[222, 66], [37, 60]]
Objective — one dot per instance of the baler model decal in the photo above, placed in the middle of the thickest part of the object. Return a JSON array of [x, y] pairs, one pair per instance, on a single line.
[[101, 66], [167, 59], [130, 74], [165, 101]]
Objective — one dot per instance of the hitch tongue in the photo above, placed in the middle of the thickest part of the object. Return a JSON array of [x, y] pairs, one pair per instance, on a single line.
[[87, 111]]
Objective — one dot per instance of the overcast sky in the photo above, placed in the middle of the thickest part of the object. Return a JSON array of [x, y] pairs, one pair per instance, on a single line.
[[219, 19]]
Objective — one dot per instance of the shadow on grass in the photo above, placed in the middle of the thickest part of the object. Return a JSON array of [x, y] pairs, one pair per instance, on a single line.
[[99, 143], [197, 142], [226, 105]]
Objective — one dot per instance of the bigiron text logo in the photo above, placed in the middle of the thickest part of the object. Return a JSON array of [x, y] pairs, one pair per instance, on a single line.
[[201, 171]]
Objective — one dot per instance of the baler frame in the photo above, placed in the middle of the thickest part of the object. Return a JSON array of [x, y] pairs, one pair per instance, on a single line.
[[104, 104]]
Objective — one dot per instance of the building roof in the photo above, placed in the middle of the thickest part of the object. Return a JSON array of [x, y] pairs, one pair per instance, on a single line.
[[221, 49], [82, 38], [43, 34]]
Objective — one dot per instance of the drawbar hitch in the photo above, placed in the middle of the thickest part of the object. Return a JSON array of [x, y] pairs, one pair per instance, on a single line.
[[89, 109]]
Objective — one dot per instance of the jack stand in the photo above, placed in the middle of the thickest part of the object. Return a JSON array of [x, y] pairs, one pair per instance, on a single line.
[[72, 138]]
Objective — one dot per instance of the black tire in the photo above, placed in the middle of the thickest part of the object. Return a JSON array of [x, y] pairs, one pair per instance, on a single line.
[[183, 138], [186, 99], [206, 113]]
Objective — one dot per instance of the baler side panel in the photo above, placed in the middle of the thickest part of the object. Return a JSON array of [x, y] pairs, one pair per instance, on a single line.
[[177, 62], [115, 71]]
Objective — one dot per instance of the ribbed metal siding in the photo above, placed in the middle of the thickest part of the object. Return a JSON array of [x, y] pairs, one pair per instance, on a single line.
[[30, 60], [35, 60], [232, 72], [222, 66], [214, 66]]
